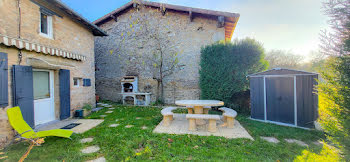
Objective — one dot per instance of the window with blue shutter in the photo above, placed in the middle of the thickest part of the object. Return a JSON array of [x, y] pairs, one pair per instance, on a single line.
[[3, 80], [86, 82], [64, 80], [23, 93]]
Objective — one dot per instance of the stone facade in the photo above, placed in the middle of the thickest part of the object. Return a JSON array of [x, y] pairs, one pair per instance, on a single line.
[[67, 35], [126, 52]]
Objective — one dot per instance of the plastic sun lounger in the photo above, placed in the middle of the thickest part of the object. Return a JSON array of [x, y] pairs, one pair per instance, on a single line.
[[25, 131]]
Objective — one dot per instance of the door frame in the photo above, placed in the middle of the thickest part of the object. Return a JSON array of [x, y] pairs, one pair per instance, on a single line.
[[52, 91], [295, 100]]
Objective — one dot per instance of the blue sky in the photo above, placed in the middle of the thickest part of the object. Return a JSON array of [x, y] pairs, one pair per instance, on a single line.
[[279, 24]]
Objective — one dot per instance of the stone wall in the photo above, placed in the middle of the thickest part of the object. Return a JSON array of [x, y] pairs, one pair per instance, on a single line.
[[126, 51], [68, 36]]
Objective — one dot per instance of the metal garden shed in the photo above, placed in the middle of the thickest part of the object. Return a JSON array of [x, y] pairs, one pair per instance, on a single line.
[[284, 96]]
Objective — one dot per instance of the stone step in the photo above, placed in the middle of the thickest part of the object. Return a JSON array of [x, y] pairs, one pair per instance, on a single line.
[[86, 140], [90, 149]]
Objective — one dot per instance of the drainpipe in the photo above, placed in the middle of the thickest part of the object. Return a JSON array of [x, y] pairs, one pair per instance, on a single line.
[[19, 30]]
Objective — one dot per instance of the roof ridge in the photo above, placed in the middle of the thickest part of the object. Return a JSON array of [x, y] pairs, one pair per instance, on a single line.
[[169, 6]]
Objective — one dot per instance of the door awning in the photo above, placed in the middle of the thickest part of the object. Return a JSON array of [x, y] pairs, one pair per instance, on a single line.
[[23, 44], [41, 63]]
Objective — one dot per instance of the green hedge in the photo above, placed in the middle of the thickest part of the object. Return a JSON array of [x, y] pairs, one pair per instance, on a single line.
[[224, 67], [334, 102]]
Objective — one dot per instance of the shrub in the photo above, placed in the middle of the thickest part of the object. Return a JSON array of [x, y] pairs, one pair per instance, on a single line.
[[328, 153], [334, 104], [224, 67], [87, 107]]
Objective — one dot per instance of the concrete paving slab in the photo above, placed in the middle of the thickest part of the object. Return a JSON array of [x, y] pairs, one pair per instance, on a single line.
[[96, 109], [90, 149], [113, 125], [102, 116], [109, 112], [270, 139], [300, 143], [86, 140], [128, 126], [86, 124], [180, 126], [57, 124]]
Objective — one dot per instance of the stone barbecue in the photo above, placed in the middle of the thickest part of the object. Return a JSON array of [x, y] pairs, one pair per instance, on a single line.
[[130, 93]]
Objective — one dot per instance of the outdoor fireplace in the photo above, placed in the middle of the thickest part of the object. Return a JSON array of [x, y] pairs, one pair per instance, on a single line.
[[129, 100], [129, 84], [130, 93]]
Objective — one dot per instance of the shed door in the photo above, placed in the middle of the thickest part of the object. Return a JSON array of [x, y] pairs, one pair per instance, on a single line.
[[280, 99]]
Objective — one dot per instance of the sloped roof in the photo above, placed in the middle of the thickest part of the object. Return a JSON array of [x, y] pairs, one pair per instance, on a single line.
[[75, 16], [281, 71], [231, 19]]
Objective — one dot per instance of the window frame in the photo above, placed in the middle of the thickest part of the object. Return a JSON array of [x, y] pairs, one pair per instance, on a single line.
[[78, 81], [49, 26]]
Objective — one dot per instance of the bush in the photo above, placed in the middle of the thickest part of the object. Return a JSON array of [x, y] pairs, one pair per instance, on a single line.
[[328, 153], [224, 67], [334, 105], [87, 107]]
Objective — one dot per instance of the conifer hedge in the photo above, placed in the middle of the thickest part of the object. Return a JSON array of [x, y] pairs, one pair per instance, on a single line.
[[224, 67]]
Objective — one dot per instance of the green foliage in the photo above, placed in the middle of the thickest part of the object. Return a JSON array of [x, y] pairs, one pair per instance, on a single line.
[[224, 67], [284, 59], [334, 104], [87, 107], [328, 153], [158, 102]]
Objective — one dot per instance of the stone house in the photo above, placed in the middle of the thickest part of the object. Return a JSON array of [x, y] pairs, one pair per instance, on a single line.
[[139, 30], [47, 62]]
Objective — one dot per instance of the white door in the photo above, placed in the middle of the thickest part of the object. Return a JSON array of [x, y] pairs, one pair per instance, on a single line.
[[43, 87]]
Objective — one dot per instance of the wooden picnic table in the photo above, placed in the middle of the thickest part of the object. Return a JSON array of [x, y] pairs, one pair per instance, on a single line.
[[198, 106]]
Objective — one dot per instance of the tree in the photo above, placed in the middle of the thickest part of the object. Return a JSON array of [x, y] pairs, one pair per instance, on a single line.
[[334, 91], [164, 58], [337, 41], [148, 31], [316, 62], [284, 59], [224, 67]]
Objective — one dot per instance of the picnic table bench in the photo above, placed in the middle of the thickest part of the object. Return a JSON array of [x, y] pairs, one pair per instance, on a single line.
[[229, 116], [212, 121]]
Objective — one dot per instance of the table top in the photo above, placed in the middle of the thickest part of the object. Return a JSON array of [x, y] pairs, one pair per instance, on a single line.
[[199, 103]]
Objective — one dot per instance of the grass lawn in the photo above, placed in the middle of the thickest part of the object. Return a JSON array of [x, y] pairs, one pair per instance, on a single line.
[[123, 144]]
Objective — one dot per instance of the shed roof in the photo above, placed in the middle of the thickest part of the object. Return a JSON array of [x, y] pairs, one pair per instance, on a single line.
[[231, 19], [282, 71], [80, 19]]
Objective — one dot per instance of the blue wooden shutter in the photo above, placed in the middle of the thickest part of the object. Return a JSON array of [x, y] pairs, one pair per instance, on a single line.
[[23, 91], [64, 77], [3, 80], [86, 82]]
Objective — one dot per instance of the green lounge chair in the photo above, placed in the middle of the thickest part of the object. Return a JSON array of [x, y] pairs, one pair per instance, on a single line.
[[25, 131]]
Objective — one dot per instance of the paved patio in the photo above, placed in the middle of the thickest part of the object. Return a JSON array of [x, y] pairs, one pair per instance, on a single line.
[[86, 124], [180, 126]]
